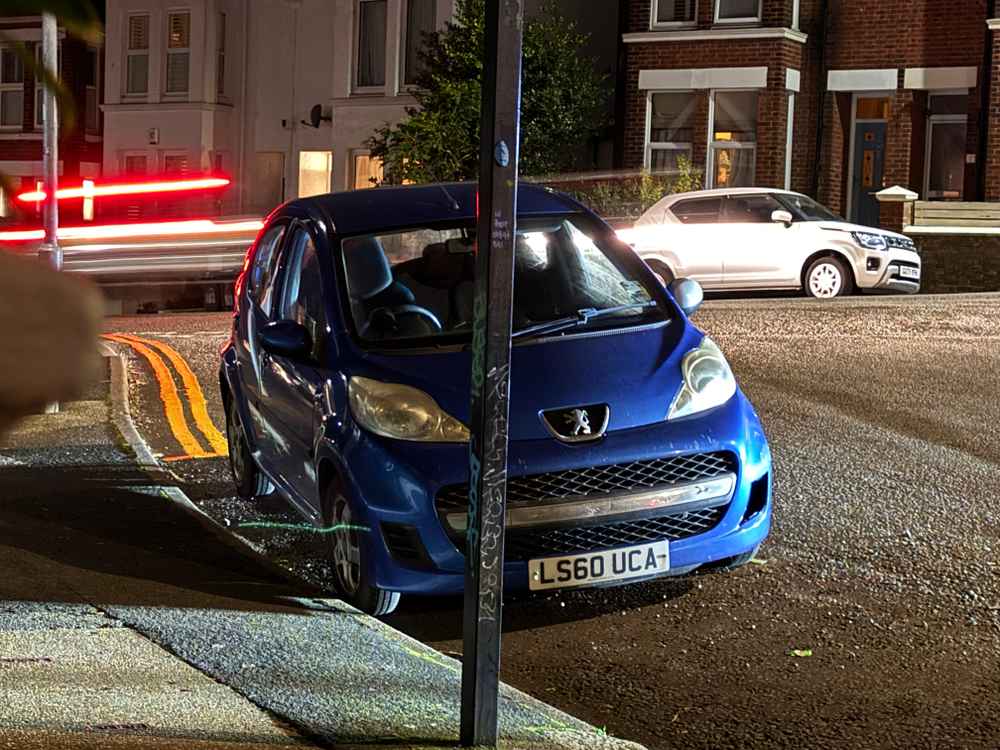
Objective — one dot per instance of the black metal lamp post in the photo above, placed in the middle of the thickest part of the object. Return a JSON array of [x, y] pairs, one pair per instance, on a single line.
[[501, 104]]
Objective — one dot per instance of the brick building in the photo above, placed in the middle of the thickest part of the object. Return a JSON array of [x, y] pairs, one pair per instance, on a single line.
[[80, 149], [834, 98]]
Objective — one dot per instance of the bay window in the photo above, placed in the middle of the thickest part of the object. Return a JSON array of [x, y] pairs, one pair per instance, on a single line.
[[733, 148], [737, 11], [671, 120], [946, 134], [178, 53], [11, 89], [137, 55], [673, 12]]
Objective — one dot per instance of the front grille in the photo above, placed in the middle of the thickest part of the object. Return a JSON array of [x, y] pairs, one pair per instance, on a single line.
[[635, 476], [601, 480], [528, 544]]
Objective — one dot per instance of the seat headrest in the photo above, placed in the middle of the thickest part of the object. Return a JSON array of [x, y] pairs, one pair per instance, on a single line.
[[368, 270]]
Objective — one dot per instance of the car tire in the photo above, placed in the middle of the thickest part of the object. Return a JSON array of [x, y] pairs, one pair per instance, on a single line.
[[827, 277], [249, 479], [662, 270], [349, 557]]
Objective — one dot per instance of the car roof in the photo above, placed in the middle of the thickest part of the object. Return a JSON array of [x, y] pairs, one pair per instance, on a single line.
[[719, 192], [398, 206]]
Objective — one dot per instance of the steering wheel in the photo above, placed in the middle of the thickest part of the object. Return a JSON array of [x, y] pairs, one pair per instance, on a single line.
[[394, 319]]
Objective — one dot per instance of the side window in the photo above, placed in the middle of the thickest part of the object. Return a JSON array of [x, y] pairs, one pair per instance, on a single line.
[[751, 209], [302, 293], [698, 210], [265, 263]]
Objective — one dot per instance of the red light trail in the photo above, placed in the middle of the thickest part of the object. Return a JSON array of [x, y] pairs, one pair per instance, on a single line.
[[134, 188]]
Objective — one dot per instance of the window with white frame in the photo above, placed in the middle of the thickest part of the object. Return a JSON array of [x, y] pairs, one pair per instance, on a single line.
[[947, 120], [178, 53], [371, 43], [220, 55], [368, 171], [673, 12], [733, 129], [175, 163], [671, 122], [137, 55], [737, 11], [11, 88], [135, 164], [421, 19]]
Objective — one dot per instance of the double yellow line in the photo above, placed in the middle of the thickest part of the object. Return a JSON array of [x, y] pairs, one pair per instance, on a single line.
[[169, 395]]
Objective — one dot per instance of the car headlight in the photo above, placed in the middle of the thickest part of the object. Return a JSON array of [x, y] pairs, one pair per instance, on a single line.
[[870, 240], [401, 412], [708, 381]]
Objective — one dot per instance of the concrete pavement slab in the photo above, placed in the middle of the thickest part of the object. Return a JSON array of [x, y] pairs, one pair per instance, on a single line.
[[90, 688]]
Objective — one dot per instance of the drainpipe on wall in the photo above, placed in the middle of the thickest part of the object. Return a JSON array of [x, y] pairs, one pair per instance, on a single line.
[[984, 106], [821, 109]]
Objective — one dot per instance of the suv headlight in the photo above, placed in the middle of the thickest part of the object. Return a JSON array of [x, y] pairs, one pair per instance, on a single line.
[[708, 381], [870, 240], [401, 412]]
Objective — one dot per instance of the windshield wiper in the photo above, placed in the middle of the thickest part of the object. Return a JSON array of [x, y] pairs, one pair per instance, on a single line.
[[580, 318]]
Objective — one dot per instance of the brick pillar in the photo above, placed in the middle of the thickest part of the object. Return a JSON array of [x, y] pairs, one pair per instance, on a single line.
[[992, 165], [772, 119], [895, 207], [833, 169], [898, 140]]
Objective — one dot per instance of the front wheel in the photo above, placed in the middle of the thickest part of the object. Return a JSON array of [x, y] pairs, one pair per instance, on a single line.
[[828, 277], [250, 480], [349, 551]]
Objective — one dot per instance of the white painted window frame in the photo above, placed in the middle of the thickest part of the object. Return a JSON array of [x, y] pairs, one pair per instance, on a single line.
[[168, 51], [713, 144], [933, 120], [795, 14], [136, 53], [789, 139], [650, 145], [741, 20], [656, 25], [357, 88], [4, 86]]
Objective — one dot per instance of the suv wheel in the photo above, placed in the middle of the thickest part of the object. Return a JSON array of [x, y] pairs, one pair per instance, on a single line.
[[350, 558], [827, 278], [250, 481]]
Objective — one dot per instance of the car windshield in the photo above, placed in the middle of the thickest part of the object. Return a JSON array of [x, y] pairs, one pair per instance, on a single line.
[[405, 286], [804, 208]]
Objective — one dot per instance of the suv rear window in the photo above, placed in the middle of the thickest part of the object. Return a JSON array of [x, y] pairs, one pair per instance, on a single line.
[[697, 210]]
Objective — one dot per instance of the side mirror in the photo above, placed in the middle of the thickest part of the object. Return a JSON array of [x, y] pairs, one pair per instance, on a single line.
[[286, 338], [780, 216], [688, 295]]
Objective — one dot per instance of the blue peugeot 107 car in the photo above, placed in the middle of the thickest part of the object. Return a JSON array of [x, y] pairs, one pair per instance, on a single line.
[[347, 380]]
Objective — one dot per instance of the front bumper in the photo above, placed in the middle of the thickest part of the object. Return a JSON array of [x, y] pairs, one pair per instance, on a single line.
[[394, 486], [894, 273]]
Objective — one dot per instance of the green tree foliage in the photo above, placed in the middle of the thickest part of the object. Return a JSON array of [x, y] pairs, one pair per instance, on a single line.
[[562, 101]]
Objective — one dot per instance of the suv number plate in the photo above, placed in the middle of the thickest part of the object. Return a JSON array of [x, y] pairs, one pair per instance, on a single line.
[[599, 567], [909, 273]]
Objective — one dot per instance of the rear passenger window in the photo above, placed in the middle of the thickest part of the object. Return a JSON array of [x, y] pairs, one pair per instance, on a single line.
[[265, 263], [698, 210]]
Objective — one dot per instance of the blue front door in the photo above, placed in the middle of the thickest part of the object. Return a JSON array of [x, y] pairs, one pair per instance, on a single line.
[[869, 162]]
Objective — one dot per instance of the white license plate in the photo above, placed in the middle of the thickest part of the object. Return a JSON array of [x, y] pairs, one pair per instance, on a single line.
[[909, 273], [599, 567]]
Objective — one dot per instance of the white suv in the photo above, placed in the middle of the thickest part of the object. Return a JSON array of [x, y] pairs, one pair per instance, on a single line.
[[759, 238]]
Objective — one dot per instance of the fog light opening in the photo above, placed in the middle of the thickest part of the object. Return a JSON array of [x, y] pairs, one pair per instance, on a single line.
[[758, 498]]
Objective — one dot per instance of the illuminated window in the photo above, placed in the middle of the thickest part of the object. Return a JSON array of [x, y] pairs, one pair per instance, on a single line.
[[420, 21], [737, 11], [220, 56], [673, 12], [315, 169], [671, 116], [137, 56], [175, 164], [733, 150], [135, 164], [11, 89], [178, 52], [368, 172], [873, 108], [371, 43]]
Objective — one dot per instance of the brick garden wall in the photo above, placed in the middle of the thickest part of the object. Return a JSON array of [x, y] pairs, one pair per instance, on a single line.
[[959, 263]]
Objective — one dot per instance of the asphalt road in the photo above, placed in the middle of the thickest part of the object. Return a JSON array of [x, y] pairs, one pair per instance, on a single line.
[[884, 561]]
